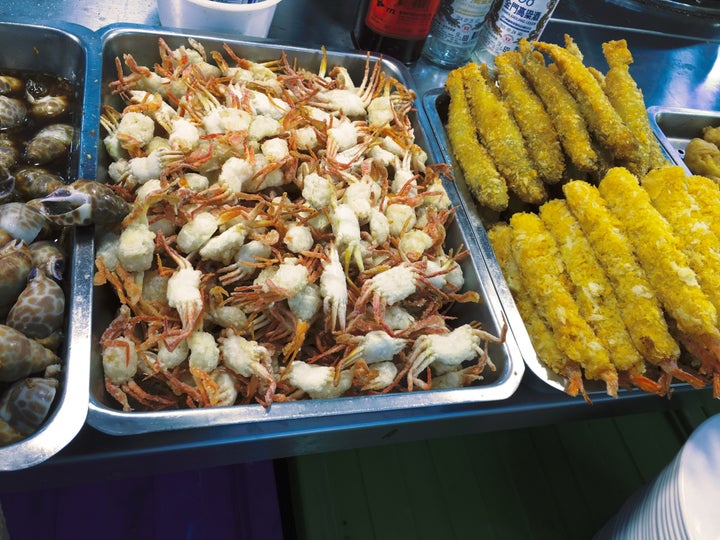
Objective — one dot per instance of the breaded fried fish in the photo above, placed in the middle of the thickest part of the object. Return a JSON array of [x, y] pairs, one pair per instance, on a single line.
[[537, 128], [481, 176], [500, 134], [602, 118]]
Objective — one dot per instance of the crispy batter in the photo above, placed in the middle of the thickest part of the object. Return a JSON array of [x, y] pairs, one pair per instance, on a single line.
[[541, 335], [706, 194], [703, 158], [533, 120], [481, 175], [658, 251], [562, 107], [499, 133], [639, 307], [627, 98], [594, 294], [543, 274], [602, 118], [668, 190]]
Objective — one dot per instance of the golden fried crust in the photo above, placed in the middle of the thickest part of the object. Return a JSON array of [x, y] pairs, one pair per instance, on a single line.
[[659, 254], [706, 194], [602, 118], [543, 274], [481, 175], [668, 190], [594, 293], [703, 158], [639, 307], [499, 133], [563, 109], [628, 101], [533, 120]]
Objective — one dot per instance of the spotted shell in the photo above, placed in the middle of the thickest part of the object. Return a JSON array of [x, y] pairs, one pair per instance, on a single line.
[[12, 112], [21, 220], [21, 356], [84, 202], [10, 84], [15, 265], [36, 182], [40, 307], [26, 404], [49, 143]]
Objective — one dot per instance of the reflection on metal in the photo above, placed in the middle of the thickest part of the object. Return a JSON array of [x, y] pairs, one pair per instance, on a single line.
[[704, 8]]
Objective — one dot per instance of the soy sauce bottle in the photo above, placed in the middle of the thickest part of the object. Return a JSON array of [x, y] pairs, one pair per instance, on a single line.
[[396, 28]]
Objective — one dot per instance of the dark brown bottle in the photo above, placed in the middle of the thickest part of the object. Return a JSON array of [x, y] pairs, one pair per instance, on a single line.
[[396, 28]]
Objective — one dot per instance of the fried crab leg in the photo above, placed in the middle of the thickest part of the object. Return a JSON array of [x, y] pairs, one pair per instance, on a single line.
[[541, 335], [481, 175], [666, 266], [706, 194], [500, 134], [668, 191], [562, 108], [627, 98], [544, 276], [594, 293], [639, 307], [602, 118], [535, 124]]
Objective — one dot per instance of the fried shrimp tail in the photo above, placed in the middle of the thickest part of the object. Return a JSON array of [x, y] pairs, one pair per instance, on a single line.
[[562, 108], [639, 307], [602, 118], [627, 98], [533, 120], [500, 134], [543, 274], [666, 266], [481, 175], [540, 333]]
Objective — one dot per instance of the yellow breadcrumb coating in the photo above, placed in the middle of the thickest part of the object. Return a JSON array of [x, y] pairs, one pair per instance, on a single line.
[[602, 118], [569, 122], [543, 274], [533, 120], [707, 196], [541, 335], [639, 307], [659, 254], [627, 98], [501, 136], [668, 190], [481, 176], [594, 294]]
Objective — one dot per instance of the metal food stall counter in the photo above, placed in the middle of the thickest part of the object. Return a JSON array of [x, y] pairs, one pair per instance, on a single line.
[[672, 69]]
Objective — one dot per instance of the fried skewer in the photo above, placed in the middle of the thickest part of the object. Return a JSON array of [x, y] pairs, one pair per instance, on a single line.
[[562, 107], [706, 194], [666, 266], [541, 335], [639, 307], [594, 294], [668, 191], [499, 133], [628, 101], [535, 124], [481, 175], [544, 277], [602, 118]]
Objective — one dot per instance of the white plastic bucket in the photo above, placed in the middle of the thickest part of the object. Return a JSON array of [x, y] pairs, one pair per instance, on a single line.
[[242, 19]]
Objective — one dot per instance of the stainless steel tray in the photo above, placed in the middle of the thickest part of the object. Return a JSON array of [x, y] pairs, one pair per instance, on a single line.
[[64, 50], [142, 43], [675, 126]]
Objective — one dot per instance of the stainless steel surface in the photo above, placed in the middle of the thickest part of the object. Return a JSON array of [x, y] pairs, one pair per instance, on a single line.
[[675, 126], [66, 51], [675, 65], [142, 43]]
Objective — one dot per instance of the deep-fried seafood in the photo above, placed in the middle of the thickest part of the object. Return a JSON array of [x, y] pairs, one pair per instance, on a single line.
[[541, 138], [628, 101], [666, 266], [706, 194], [541, 335], [569, 123], [544, 275], [602, 118], [499, 133], [703, 158], [481, 175]]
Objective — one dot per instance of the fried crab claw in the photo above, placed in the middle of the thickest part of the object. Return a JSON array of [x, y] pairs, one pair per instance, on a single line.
[[84, 202]]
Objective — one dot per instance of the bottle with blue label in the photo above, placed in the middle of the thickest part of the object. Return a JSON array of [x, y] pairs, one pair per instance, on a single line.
[[455, 31], [507, 22]]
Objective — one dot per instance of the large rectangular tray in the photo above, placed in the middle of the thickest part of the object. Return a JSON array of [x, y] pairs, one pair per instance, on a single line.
[[675, 126], [64, 50], [142, 43]]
